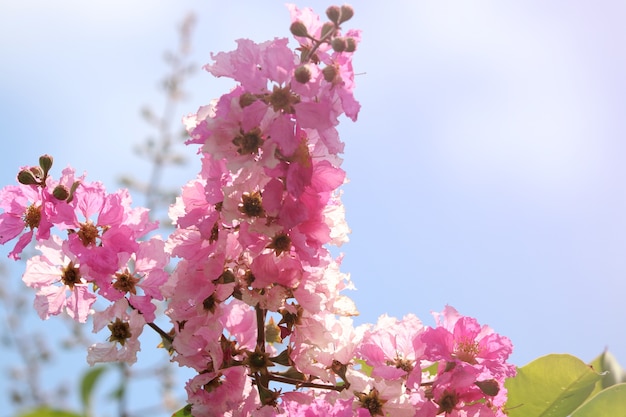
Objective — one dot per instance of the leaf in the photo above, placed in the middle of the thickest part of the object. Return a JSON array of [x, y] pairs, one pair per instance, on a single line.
[[612, 371], [608, 402], [49, 412], [365, 368], [552, 385], [183, 412], [87, 384]]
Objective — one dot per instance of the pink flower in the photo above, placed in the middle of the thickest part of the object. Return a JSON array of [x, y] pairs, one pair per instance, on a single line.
[[102, 225], [388, 348], [310, 403], [216, 394], [24, 216], [61, 281], [139, 278], [463, 341], [125, 325], [254, 65]]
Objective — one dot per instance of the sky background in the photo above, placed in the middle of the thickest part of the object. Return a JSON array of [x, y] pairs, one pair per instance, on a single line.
[[486, 168]]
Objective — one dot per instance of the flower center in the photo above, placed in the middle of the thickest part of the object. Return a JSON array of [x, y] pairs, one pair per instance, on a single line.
[[466, 351], [120, 331], [32, 217], [126, 282], [280, 243], [249, 142], [88, 233], [372, 402], [251, 204], [70, 275]]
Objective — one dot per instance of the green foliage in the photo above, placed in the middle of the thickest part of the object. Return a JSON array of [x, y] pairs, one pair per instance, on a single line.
[[49, 412], [611, 370], [553, 385], [87, 385], [183, 412], [608, 402], [365, 368]]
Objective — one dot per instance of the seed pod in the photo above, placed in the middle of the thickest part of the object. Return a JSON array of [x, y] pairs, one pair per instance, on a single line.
[[302, 74], [45, 162], [297, 28], [339, 44], [346, 13], [330, 73], [350, 45], [26, 177], [61, 192], [334, 14]]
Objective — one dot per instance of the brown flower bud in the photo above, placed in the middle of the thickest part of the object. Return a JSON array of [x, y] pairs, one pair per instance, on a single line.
[[302, 74], [334, 14], [339, 44], [489, 387], [346, 13], [246, 99], [45, 162], [60, 192], [27, 177], [36, 171], [350, 45], [297, 28], [330, 73], [327, 29]]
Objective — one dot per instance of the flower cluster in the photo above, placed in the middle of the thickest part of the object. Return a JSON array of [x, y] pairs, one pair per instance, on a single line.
[[98, 251], [255, 297]]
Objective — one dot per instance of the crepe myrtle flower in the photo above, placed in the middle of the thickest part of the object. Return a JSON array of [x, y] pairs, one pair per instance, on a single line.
[[462, 341], [61, 281], [29, 206], [125, 325]]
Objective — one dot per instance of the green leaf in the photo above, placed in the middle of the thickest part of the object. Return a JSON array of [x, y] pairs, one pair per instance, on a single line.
[[48, 412], [365, 368], [183, 412], [608, 402], [87, 384], [552, 385], [612, 371]]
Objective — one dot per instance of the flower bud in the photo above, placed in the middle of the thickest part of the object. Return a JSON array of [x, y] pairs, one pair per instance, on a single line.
[[489, 387], [302, 74], [61, 192], [27, 177], [327, 29], [72, 191], [330, 73], [297, 28], [346, 13], [36, 171], [350, 45], [339, 44], [246, 99], [45, 162], [333, 13]]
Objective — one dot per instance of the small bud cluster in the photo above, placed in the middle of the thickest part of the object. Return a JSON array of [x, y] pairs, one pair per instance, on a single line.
[[315, 42]]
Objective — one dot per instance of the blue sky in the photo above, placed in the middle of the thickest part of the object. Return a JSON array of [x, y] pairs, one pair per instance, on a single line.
[[486, 168]]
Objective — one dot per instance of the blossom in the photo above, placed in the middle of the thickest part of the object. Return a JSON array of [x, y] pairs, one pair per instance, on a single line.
[[139, 277], [61, 281], [24, 216], [102, 225], [389, 349], [216, 394], [125, 325], [461, 340]]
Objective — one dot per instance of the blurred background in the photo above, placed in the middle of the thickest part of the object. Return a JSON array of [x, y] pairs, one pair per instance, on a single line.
[[486, 168]]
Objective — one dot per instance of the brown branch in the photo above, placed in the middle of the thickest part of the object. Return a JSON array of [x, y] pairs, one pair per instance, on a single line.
[[304, 384]]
